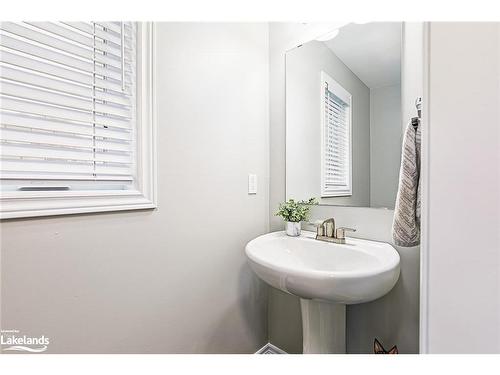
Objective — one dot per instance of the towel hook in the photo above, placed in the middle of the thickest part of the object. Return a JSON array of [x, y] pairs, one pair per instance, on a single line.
[[418, 105], [415, 120]]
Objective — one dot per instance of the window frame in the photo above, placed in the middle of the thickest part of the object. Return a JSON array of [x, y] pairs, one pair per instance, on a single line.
[[21, 204], [343, 94]]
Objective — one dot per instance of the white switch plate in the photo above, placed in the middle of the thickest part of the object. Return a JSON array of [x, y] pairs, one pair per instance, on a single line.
[[252, 183]]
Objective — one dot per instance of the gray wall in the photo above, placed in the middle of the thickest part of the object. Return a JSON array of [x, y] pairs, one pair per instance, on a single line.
[[303, 129], [172, 280], [385, 144], [395, 317], [462, 256]]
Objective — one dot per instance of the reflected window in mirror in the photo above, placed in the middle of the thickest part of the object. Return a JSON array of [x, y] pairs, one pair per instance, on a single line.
[[336, 170]]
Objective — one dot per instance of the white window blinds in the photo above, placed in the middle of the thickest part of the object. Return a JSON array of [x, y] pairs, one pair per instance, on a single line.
[[67, 102], [336, 139]]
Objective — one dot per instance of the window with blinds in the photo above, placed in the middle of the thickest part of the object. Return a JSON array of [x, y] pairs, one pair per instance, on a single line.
[[336, 170], [77, 122], [67, 102]]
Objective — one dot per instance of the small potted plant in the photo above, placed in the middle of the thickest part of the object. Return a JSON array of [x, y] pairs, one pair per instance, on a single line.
[[293, 213]]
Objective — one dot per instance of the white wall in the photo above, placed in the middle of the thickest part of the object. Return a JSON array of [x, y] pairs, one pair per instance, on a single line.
[[462, 252], [394, 318], [303, 129], [173, 280], [385, 144]]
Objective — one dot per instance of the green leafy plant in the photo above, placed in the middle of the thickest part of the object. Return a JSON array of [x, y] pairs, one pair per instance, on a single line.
[[295, 211]]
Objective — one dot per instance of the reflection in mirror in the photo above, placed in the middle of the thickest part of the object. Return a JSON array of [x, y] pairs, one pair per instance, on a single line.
[[343, 116]]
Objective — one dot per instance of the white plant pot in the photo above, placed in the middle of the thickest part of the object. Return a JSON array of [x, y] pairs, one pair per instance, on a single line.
[[292, 229]]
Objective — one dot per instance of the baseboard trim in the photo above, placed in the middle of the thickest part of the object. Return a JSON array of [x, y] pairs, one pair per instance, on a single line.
[[270, 349]]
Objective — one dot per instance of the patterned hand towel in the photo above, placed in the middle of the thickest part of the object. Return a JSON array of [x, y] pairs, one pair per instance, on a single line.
[[406, 224]]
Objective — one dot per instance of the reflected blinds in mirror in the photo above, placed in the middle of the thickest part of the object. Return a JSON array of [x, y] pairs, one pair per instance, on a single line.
[[336, 139]]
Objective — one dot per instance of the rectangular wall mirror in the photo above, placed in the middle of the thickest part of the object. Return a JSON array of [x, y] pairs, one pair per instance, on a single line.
[[343, 116]]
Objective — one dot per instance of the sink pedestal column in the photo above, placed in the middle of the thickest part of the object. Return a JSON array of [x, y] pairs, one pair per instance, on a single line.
[[323, 327]]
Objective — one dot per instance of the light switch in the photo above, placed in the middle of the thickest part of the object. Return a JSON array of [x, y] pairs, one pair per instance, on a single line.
[[252, 184]]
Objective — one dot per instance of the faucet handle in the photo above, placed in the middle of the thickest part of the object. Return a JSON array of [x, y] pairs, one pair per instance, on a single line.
[[318, 224], [340, 232], [320, 230]]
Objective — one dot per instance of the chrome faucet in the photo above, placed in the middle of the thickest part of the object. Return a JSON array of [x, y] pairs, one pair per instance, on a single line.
[[326, 231]]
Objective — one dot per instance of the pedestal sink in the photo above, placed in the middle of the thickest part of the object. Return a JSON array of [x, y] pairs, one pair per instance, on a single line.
[[326, 277]]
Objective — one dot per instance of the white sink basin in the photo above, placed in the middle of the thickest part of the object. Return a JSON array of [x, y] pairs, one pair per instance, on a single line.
[[356, 272], [326, 276]]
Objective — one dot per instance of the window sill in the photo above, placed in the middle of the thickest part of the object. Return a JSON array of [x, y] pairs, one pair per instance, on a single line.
[[336, 194], [37, 204]]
